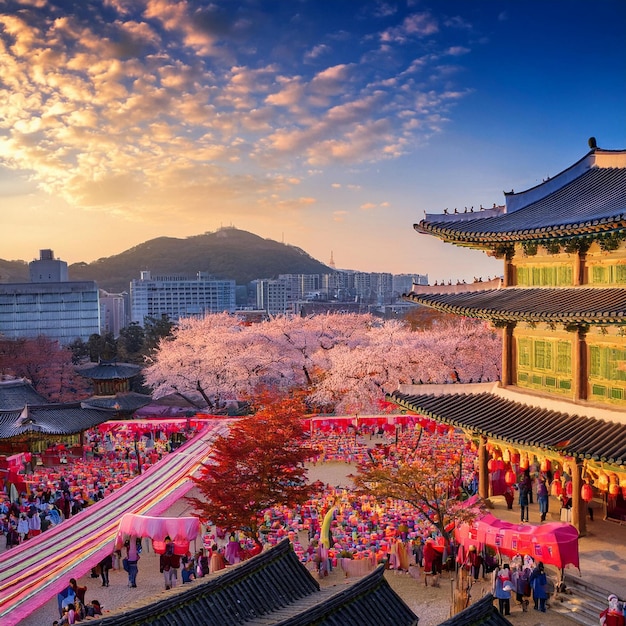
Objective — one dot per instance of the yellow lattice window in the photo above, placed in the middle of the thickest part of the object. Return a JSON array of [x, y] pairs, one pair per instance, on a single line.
[[523, 350], [564, 357], [608, 274], [544, 275], [542, 357]]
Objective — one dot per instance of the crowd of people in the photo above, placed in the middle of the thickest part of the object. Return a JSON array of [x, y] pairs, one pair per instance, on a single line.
[[363, 529], [54, 494]]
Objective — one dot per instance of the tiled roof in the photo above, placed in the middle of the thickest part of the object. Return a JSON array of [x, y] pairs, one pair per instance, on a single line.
[[594, 202], [49, 419], [109, 370], [482, 612], [520, 424], [565, 305], [273, 588], [125, 402], [15, 394]]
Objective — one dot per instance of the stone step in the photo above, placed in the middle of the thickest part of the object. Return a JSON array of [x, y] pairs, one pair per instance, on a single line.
[[582, 601], [582, 617]]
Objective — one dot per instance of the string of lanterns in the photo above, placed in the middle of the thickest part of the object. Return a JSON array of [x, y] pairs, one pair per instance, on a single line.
[[512, 463]]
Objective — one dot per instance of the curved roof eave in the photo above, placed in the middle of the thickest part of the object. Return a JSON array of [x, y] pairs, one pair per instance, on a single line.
[[482, 414], [481, 239], [574, 305]]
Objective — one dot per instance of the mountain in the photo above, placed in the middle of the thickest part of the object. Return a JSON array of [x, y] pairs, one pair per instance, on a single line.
[[228, 253]]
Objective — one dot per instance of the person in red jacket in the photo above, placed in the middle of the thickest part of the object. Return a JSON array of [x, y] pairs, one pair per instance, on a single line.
[[613, 615]]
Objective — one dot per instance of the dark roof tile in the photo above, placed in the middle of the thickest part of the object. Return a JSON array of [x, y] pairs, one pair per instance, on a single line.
[[272, 588], [50, 419], [482, 613], [538, 304], [15, 394], [123, 401], [594, 199], [521, 424], [106, 370]]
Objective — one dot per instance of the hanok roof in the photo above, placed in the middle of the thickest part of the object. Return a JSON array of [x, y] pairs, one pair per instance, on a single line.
[[586, 199], [16, 393], [49, 419], [109, 370], [521, 424], [576, 305], [482, 612], [126, 402], [272, 588]]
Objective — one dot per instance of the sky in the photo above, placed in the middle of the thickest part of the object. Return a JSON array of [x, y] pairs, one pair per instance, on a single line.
[[331, 125]]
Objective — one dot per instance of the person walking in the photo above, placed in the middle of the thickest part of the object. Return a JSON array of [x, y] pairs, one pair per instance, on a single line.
[[538, 583], [132, 561], [474, 562], [105, 565], [520, 580], [166, 565], [502, 588], [524, 486], [542, 497]]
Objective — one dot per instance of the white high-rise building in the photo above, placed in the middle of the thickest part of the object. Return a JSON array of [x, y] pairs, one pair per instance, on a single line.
[[179, 296], [50, 304]]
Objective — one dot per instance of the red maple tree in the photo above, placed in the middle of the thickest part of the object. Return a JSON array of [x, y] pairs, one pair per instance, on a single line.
[[258, 465], [46, 364]]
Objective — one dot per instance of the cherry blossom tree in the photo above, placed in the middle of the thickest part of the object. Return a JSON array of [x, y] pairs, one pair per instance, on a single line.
[[459, 351], [345, 362], [258, 465], [358, 376], [197, 359]]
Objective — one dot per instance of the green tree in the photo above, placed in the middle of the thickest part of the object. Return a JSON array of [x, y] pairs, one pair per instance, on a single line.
[[131, 343], [155, 329], [101, 347]]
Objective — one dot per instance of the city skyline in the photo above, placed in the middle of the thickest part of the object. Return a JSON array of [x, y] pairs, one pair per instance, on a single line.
[[330, 126]]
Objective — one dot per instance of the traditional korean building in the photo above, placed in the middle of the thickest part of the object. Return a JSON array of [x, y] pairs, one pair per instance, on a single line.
[[112, 387], [561, 305], [30, 425]]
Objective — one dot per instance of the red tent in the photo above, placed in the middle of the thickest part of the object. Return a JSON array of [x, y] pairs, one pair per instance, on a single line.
[[554, 543]]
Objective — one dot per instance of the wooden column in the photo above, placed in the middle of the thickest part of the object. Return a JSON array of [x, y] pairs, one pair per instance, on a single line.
[[579, 363], [507, 275], [579, 506], [483, 470], [508, 355]]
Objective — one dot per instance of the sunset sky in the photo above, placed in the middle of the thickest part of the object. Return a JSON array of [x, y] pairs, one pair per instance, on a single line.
[[332, 125]]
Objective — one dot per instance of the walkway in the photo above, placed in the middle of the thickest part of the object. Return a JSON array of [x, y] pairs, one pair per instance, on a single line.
[[34, 572]]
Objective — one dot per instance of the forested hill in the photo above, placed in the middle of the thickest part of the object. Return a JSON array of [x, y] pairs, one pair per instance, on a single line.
[[227, 253]]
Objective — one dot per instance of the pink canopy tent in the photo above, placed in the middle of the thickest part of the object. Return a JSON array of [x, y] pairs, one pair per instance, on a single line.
[[555, 543], [181, 530]]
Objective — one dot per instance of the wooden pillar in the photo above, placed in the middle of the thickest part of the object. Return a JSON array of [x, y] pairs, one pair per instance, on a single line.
[[508, 355], [483, 469], [580, 267], [579, 364], [579, 506], [507, 275]]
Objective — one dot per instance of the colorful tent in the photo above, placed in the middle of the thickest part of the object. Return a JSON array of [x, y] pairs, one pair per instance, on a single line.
[[181, 530], [554, 543]]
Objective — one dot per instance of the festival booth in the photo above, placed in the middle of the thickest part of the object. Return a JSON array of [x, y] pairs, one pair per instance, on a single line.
[[181, 530], [387, 423], [555, 543]]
